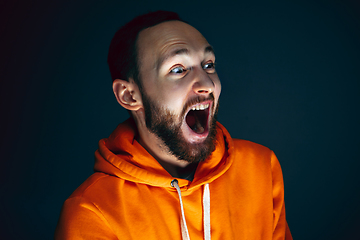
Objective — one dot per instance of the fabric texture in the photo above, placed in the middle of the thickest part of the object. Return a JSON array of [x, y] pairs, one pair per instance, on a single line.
[[130, 195]]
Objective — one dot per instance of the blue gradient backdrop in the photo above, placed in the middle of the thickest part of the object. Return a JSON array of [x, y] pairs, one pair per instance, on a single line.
[[290, 72]]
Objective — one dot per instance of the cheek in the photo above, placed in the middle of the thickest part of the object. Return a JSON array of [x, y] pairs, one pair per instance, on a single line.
[[173, 97]]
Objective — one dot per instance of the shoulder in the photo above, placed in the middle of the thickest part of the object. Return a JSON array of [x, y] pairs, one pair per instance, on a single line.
[[252, 157], [250, 148], [93, 187], [240, 146], [82, 215], [88, 199], [243, 152]]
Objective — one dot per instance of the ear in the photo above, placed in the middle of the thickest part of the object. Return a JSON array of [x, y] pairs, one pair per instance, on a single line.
[[127, 94]]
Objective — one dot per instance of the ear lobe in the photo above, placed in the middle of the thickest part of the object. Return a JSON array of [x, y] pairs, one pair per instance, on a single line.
[[127, 94]]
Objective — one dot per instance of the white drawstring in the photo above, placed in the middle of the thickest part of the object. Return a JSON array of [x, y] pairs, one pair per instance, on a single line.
[[206, 210], [184, 229]]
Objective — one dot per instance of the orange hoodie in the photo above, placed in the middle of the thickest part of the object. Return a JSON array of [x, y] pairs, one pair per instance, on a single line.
[[237, 193]]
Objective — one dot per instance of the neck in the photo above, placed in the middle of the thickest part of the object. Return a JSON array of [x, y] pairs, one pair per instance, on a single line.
[[186, 172]]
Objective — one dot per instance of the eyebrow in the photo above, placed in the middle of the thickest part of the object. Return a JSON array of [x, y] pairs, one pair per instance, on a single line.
[[209, 49], [182, 51]]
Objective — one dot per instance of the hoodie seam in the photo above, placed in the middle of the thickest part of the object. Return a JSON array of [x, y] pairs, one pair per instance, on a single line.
[[90, 202], [93, 183], [104, 218]]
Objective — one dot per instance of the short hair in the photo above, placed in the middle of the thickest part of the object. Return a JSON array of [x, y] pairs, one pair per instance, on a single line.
[[123, 54]]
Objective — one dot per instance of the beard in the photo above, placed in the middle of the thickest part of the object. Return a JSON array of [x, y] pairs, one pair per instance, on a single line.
[[167, 126]]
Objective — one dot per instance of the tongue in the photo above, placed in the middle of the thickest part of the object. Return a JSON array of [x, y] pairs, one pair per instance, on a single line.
[[198, 128], [194, 123]]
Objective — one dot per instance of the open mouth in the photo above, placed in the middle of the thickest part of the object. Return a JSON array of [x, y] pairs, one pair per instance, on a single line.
[[197, 118]]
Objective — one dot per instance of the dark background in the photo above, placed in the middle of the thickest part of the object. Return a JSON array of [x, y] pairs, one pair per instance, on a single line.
[[290, 72]]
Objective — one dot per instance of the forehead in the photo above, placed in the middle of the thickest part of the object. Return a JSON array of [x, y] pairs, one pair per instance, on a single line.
[[160, 39]]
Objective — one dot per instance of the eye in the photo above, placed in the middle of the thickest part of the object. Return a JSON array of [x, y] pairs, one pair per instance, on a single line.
[[209, 67], [179, 71]]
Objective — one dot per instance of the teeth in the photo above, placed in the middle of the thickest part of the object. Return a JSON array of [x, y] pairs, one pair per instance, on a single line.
[[200, 107]]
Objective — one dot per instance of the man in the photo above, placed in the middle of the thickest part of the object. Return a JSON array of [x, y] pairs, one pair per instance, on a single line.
[[171, 171]]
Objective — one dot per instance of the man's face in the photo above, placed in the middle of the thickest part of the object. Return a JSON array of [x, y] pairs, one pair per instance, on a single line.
[[180, 88]]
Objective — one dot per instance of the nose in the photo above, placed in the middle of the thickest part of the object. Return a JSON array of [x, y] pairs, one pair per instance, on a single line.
[[203, 84]]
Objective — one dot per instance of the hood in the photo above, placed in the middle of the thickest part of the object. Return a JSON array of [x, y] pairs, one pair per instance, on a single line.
[[122, 156]]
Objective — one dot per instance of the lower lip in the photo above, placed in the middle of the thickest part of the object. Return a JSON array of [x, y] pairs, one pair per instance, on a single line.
[[194, 137]]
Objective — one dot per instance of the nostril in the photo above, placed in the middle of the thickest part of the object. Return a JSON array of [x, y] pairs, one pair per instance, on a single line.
[[203, 91]]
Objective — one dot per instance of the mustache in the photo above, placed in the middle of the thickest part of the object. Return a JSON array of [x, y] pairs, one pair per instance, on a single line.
[[196, 100]]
